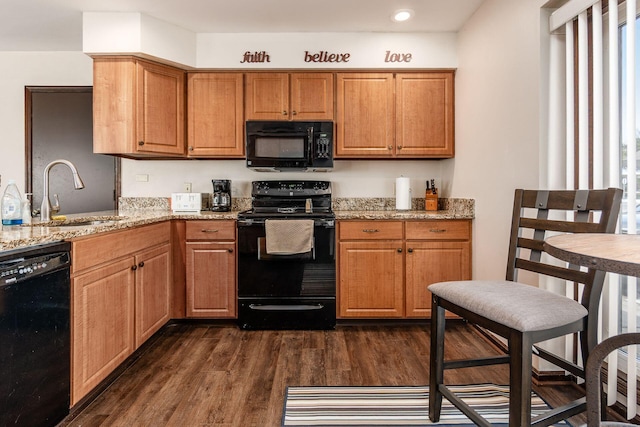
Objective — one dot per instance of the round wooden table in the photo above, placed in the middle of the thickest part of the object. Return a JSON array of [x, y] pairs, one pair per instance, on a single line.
[[616, 253]]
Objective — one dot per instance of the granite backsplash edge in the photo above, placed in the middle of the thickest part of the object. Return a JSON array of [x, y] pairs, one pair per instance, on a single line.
[[462, 206]]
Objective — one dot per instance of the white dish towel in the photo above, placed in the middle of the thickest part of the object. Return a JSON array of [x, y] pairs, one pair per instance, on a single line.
[[288, 237]]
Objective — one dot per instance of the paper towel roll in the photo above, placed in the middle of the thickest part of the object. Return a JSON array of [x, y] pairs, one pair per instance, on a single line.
[[403, 193]]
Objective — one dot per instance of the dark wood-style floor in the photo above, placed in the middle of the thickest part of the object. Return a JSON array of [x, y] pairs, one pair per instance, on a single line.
[[218, 375]]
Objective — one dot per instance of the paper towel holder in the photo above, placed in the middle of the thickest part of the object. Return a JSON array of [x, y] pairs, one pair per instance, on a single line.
[[403, 193]]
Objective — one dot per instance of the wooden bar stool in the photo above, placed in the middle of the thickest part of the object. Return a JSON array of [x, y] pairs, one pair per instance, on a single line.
[[524, 314]]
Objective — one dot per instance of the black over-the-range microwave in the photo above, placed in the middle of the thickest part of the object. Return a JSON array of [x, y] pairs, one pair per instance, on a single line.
[[289, 146]]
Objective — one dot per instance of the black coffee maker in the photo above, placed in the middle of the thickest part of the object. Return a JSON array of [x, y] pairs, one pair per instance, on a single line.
[[221, 198]]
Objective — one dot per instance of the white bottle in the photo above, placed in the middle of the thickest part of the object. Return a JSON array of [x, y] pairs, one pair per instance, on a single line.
[[11, 205], [26, 209]]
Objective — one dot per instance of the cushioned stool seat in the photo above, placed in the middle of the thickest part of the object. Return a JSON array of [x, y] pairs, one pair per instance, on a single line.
[[517, 306]]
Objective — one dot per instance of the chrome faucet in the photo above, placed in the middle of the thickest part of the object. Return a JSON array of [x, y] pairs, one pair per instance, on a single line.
[[45, 208]]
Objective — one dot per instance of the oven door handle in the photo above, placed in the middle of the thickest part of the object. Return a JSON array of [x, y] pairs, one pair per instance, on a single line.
[[264, 256], [326, 223], [286, 307]]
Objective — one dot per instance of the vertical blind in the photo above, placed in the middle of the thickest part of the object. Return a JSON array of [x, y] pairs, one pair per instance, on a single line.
[[594, 113]]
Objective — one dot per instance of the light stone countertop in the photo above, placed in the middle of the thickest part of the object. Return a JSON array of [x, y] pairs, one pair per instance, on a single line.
[[18, 236], [401, 215]]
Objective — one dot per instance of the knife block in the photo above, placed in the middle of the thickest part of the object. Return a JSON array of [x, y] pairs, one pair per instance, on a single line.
[[431, 201]]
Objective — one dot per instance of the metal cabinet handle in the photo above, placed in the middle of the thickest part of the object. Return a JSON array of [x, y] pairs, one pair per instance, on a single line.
[[204, 230], [140, 142], [284, 112], [370, 230], [390, 147], [438, 230], [134, 267], [399, 147], [410, 250], [141, 264], [190, 148], [399, 250], [294, 112], [230, 250]]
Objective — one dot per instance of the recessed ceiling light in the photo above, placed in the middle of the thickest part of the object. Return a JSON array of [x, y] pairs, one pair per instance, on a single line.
[[401, 15]]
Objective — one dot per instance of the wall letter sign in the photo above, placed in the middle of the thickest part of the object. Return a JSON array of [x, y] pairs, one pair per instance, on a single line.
[[324, 56], [255, 57], [397, 57]]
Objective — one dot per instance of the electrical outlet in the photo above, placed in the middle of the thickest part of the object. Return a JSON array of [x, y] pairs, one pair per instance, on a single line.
[[142, 177], [186, 187]]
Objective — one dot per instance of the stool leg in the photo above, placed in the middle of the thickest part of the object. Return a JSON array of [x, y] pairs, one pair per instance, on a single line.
[[520, 379], [436, 363]]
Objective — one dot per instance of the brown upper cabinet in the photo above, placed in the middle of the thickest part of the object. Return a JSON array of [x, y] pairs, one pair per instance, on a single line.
[[406, 115], [365, 110], [215, 125], [289, 96], [138, 108]]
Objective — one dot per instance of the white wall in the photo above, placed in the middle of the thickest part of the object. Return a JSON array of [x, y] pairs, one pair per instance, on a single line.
[[20, 69], [349, 178], [497, 121], [366, 50], [134, 33]]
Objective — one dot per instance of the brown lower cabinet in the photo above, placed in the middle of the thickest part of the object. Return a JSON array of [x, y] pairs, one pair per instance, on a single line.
[[120, 285], [385, 267], [122, 280], [211, 269]]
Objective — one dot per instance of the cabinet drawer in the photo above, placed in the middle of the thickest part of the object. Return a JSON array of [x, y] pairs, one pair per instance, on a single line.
[[88, 252], [370, 230], [439, 230], [211, 230]]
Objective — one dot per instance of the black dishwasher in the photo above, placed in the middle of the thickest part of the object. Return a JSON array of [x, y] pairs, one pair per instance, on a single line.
[[34, 335]]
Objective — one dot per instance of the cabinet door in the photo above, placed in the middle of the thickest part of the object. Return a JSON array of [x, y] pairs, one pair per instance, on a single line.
[[215, 115], [103, 316], [365, 116], [424, 109], [114, 127], [153, 291], [432, 262], [267, 96], [371, 279], [160, 109], [211, 279], [311, 96]]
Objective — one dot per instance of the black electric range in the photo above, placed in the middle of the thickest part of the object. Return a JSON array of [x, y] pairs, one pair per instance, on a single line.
[[293, 291]]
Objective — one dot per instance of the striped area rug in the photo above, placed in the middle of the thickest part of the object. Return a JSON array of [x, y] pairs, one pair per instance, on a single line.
[[394, 406]]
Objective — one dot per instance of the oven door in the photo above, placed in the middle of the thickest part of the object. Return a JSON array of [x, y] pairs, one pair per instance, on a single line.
[[286, 291], [310, 274]]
